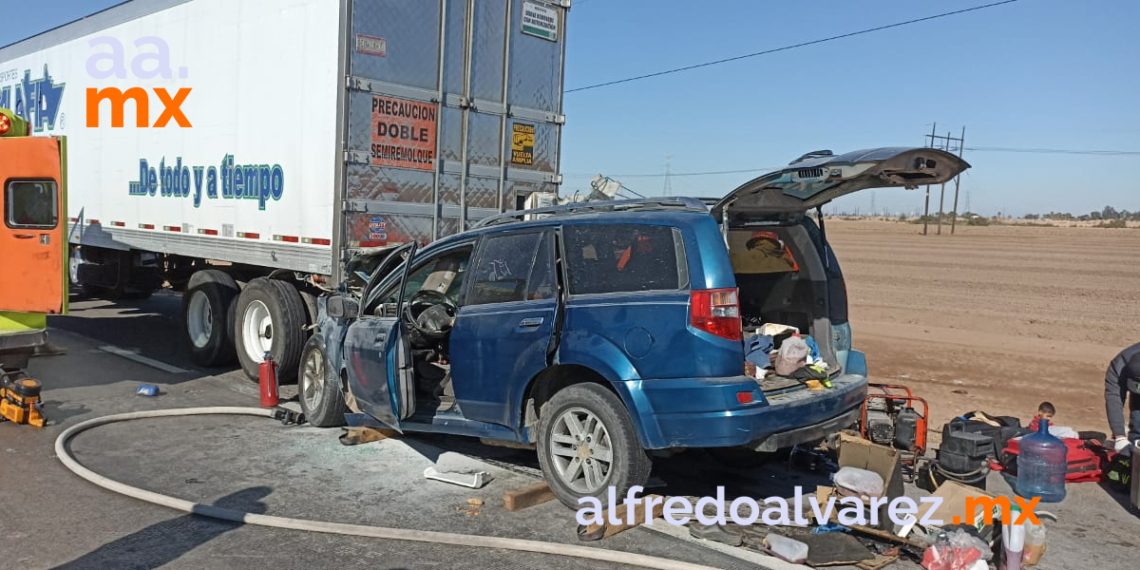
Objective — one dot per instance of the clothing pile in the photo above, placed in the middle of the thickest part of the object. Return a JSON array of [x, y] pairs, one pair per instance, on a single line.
[[782, 351]]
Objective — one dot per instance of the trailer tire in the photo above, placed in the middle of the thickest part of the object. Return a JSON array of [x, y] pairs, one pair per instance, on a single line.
[[208, 317], [270, 317], [318, 387]]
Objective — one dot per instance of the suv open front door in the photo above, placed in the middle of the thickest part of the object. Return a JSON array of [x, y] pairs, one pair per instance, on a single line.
[[378, 356]]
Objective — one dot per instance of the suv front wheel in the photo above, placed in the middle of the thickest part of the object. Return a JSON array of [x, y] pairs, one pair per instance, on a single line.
[[587, 444]]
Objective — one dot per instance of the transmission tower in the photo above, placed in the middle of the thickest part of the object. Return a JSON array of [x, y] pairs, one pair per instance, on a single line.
[[668, 190]]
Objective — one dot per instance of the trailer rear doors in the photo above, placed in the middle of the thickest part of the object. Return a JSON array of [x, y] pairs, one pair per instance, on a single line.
[[452, 112]]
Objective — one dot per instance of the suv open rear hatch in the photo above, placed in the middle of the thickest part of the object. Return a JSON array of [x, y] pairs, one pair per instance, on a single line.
[[820, 177]]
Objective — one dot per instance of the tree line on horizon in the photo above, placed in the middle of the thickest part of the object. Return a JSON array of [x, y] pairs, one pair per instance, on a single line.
[[1108, 213]]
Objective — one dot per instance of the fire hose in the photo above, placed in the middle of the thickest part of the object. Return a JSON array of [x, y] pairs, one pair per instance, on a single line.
[[234, 515]]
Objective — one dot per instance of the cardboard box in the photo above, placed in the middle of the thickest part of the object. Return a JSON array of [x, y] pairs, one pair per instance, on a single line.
[[886, 461], [954, 496], [857, 452]]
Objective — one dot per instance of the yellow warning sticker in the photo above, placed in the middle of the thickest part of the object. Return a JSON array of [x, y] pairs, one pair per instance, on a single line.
[[522, 144]]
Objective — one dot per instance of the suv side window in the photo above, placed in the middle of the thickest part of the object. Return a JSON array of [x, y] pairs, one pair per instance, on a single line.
[[543, 278], [503, 270], [625, 258], [444, 273]]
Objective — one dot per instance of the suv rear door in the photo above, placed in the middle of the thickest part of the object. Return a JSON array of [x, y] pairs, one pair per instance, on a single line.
[[818, 178], [504, 330]]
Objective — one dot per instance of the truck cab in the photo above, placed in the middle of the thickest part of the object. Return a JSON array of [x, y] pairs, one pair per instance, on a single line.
[[32, 239]]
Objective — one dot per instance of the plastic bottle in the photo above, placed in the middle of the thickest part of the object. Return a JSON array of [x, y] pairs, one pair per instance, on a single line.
[[786, 548], [1034, 543], [1042, 465], [1013, 541]]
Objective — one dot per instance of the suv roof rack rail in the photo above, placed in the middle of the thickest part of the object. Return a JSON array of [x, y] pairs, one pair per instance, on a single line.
[[679, 203]]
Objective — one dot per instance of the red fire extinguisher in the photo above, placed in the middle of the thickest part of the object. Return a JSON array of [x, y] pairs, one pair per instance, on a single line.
[[267, 379]]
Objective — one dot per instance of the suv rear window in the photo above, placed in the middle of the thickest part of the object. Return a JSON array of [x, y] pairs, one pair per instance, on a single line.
[[625, 258]]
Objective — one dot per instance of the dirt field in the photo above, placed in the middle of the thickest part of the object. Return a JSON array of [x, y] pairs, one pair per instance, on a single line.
[[994, 318]]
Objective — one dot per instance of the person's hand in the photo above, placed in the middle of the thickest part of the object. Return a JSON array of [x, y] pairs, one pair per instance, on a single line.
[[1121, 443]]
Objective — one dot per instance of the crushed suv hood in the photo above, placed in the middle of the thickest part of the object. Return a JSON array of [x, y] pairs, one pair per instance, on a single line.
[[820, 177]]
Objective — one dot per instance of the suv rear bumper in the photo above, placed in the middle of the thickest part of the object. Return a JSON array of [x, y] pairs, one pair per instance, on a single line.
[[705, 412]]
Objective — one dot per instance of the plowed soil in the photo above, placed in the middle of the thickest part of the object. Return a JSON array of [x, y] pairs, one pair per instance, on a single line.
[[995, 318]]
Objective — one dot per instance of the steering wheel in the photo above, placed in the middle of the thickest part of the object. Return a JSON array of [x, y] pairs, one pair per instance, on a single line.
[[437, 317]]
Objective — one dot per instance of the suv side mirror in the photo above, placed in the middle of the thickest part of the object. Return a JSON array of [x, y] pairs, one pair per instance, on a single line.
[[338, 307]]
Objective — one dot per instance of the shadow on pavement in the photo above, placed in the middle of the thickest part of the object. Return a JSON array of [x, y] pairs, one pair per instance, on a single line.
[[1122, 498], [161, 543]]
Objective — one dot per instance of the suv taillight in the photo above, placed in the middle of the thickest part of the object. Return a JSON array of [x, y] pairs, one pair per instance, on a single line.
[[716, 311]]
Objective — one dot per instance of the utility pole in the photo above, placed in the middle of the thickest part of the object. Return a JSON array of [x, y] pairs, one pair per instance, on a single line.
[[942, 195], [668, 175], [872, 204], [958, 182], [926, 212]]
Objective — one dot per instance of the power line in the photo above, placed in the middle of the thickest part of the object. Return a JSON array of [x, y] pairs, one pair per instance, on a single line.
[[1054, 151], [676, 174], [969, 148], [789, 47]]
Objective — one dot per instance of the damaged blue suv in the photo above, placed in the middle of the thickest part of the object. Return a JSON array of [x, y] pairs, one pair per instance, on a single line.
[[602, 331]]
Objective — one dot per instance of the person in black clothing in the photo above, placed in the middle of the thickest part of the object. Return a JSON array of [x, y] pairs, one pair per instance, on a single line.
[[1121, 383]]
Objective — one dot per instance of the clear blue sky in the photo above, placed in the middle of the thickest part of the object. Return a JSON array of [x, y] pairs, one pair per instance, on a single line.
[[1033, 74]]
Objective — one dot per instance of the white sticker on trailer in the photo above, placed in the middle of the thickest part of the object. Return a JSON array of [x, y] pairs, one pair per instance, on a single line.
[[540, 21]]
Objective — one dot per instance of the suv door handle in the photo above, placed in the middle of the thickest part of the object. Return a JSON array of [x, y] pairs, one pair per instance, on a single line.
[[530, 323], [24, 236]]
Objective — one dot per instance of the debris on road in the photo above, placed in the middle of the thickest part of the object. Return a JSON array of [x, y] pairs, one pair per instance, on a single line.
[[787, 549], [149, 390], [362, 435], [528, 496], [716, 533], [834, 549], [595, 531], [475, 480], [474, 507]]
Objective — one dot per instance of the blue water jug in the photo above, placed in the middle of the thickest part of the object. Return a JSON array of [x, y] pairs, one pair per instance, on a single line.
[[1041, 466]]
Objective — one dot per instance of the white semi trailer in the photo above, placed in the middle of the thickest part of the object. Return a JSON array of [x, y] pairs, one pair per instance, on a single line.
[[241, 150]]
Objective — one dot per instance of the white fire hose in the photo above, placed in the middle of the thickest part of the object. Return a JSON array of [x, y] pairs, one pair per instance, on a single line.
[[586, 553]]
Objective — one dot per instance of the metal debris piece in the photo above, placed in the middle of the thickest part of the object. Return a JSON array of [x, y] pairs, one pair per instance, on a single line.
[[474, 480]]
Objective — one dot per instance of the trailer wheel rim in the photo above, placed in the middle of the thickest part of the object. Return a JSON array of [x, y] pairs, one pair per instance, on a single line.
[[73, 262], [313, 379], [199, 319], [580, 450], [257, 331]]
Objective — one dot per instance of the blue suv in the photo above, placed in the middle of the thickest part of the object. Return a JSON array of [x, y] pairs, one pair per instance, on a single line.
[[600, 332]]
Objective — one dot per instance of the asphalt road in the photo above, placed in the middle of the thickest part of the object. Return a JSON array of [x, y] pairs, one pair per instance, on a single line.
[[49, 518]]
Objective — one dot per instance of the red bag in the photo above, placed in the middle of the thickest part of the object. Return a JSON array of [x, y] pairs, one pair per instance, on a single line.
[[1086, 460]]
